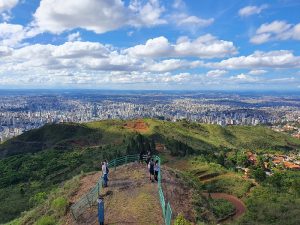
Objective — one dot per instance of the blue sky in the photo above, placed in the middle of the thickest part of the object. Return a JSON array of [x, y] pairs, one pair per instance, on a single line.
[[150, 44]]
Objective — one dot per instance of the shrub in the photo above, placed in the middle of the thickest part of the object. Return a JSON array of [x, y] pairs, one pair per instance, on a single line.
[[180, 220], [59, 205], [46, 220], [38, 198], [221, 208]]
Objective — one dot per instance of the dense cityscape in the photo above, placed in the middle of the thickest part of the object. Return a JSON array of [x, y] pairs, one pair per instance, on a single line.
[[24, 110]]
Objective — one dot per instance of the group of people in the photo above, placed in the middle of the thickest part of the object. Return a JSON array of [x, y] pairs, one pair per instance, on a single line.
[[105, 172], [153, 166]]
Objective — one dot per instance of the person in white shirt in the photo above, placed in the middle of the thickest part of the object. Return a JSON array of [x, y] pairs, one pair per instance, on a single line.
[[104, 174]]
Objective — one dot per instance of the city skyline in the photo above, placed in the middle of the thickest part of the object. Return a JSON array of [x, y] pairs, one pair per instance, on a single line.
[[150, 45]]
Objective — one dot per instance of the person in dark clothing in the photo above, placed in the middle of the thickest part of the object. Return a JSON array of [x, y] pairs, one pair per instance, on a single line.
[[148, 157], [151, 169], [156, 170], [141, 157]]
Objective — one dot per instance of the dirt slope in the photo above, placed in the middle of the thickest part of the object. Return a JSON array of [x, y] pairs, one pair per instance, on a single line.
[[130, 198]]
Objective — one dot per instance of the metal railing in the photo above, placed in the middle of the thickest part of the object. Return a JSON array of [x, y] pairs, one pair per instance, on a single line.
[[166, 208], [90, 199]]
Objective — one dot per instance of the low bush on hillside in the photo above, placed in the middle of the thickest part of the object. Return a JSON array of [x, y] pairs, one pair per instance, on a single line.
[[46, 220], [59, 205], [180, 220], [221, 208]]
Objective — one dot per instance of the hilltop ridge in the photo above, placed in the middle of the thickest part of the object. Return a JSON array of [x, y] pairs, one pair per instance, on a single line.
[[38, 161], [199, 136]]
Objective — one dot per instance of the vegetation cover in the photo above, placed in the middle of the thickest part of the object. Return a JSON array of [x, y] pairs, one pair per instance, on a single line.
[[37, 162]]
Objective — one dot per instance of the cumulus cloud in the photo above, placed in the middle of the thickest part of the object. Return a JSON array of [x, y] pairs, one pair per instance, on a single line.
[[99, 16], [5, 51], [79, 55], [259, 59], [5, 8], [206, 46], [251, 10], [6, 5], [216, 73], [13, 34], [74, 37], [171, 64], [276, 30]]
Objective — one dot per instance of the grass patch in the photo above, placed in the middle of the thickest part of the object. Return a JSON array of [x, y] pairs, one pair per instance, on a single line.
[[221, 208]]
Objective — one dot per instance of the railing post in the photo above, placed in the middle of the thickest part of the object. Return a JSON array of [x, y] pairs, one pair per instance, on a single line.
[[115, 164], [126, 157], [88, 200], [73, 214]]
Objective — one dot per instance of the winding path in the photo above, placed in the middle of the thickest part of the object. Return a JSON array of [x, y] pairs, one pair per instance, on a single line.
[[240, 207]]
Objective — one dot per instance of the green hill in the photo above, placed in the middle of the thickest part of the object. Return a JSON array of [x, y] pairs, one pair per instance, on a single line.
[[38, 161], [198, 136]]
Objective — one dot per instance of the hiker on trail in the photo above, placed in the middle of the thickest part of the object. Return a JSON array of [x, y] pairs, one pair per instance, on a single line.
[[107, 170], [156, 170], [104, 174], [148, 157], [151, 169]]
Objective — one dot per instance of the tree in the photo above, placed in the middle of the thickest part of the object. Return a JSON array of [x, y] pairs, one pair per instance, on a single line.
[[277, 180], [242, 159], [259, 174]]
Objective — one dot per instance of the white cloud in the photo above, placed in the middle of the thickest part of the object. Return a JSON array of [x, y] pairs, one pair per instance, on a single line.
[[171, 64], [181, 18], [178, 4], [260, 38], [159, 46], [274, 27], [5, 51], [206, 46], [216, 73], [190, 22], [99, 16], [147, 15], [259, 59], [276, 30], [74, 37], [257, 72], [6, 5], [79, 55], [13, 34], [251, 10], [244, 78]]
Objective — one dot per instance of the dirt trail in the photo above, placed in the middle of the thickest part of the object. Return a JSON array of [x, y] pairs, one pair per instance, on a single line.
[[240, 207], [130, 198]]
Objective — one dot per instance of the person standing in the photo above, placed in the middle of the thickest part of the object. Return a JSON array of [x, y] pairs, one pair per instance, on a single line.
[[107, 170], [151, 169], [148, 157], [141, 157], [104, 174], [156, 170]]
